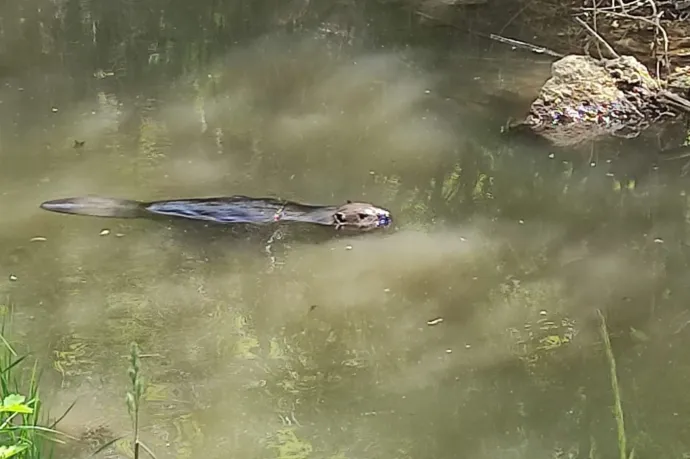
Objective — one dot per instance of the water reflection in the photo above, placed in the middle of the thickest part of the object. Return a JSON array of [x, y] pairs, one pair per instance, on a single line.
[[320, 347]]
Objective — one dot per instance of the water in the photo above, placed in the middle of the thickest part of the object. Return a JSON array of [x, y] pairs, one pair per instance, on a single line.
[[304, 347]]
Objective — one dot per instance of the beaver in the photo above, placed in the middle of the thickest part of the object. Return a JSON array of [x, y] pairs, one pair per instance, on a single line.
[[359, 216]]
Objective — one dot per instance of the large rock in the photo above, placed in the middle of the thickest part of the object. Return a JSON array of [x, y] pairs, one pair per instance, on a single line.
[[586, 98]]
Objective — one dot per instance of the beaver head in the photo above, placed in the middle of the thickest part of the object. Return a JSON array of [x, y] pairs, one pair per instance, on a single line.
[[361, 216]]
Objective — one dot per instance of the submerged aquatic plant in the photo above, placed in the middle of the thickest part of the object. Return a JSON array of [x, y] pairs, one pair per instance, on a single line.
[[618, 405], [289, 446]]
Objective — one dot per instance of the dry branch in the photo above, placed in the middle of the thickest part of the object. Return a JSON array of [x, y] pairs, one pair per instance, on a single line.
[[598, 37], [638, 11], [525, 45]]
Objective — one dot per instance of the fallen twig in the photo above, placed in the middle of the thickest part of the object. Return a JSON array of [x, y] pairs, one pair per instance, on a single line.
[[651, 15], [528, 46], [658, 29], [434, 18], [510, 41], [635, 4], [675, 153], [597, 36], [594, 25], [674, 100]]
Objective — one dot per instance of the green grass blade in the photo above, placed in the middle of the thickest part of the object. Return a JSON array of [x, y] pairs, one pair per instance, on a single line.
[[618, 406], [104, 447]]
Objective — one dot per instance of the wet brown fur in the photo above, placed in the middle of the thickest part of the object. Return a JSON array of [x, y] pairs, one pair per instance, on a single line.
[[358, 215]]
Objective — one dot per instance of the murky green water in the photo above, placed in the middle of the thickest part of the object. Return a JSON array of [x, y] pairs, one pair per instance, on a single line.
[[313, 348]]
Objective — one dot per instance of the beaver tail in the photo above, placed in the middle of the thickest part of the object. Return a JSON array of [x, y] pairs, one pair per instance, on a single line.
[[96, 207]]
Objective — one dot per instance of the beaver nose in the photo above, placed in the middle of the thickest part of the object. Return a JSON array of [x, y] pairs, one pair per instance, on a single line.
[[384, 220]]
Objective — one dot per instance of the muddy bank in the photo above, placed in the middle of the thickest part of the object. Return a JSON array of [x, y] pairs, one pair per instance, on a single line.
[[649, 30]]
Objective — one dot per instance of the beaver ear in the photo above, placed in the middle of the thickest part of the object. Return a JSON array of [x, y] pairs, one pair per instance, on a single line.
[[348, 201]]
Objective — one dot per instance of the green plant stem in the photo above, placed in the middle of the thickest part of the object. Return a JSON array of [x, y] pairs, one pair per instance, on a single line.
[[618, 406]]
